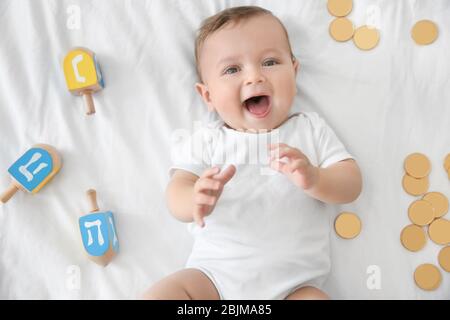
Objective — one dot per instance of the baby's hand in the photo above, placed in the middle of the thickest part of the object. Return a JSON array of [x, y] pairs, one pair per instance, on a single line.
[[298, 169], [207, 190]]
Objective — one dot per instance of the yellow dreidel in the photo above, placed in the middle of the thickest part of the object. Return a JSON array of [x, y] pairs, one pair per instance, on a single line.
[[98, 232], [33, 170], [83, 75]]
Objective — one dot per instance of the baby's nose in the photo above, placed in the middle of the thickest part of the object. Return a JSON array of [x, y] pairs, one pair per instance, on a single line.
[[255, 77]]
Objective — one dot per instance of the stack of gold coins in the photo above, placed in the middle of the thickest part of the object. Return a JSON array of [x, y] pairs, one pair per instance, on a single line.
[[341, 28], [426, 212], [417, 168]]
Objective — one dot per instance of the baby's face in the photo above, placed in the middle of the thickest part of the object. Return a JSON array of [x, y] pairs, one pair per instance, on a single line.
[[248, 74]]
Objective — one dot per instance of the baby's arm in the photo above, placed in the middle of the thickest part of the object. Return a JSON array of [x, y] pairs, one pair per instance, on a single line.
[[338, 183], [190, 198], [180, 195]]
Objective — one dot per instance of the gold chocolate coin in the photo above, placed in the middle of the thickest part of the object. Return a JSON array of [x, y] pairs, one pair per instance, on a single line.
[[339, 8], [447, 162], [341, 29], [444, 258], [417, 165], [366, 38], [439, 203], [439, 231], [347, 225], [427, 277], [413, 237], [424, 32], [415, 187], [421, 212]]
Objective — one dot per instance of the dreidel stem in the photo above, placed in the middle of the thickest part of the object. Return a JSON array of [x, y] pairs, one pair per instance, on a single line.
[[5, 196], [92, 198], [89, 102]]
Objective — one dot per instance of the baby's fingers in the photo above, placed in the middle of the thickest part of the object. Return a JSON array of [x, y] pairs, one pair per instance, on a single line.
[[203, 202], [280, 166], [206, 184], [201, 198], [226, 174], [210, 172], [283, 150], [198, 215], [297, 165]]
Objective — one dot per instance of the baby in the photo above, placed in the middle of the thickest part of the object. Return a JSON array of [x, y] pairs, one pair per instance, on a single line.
[[261, 227]]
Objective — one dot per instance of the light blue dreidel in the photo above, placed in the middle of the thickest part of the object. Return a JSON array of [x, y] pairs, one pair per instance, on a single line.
[[33, 170], [98, 232]]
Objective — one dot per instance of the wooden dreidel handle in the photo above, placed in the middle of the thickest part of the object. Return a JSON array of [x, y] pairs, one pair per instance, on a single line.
[[98, 232], [89, 102], [92, 198], [33, 170], [83, 75], [8, 194]]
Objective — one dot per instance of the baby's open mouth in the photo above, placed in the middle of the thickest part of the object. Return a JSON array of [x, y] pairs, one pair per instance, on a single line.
[[259, 106]]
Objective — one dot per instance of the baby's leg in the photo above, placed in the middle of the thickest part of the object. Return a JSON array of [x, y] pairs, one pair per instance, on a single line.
[[307, 293], [187, 284]]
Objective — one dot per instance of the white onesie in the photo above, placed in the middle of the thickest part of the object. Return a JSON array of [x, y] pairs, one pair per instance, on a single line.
[[265, 237]]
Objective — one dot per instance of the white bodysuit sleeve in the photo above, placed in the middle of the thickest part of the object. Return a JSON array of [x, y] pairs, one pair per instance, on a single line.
[[190, 152], [328, 146]]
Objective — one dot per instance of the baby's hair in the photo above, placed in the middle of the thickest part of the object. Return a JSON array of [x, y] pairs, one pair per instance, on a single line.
[[225, 17]]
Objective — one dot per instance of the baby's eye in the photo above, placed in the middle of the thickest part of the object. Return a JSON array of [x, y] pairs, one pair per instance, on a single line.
[[231, 70], [269, 63]]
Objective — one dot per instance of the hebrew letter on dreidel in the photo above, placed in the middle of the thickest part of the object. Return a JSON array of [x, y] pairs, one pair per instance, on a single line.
[[94, 233], [96, 223], [114, 231], [75, 62], [24, 169]]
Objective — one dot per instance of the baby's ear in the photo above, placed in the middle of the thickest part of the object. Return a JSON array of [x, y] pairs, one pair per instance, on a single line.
[[203, 91], [296, 66]]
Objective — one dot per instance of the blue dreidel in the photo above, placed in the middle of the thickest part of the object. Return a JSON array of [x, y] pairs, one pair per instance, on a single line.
[[33, 170], [98, 233]]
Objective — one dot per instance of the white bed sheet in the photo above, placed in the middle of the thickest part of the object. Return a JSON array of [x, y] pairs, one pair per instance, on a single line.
[[384, 104]]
